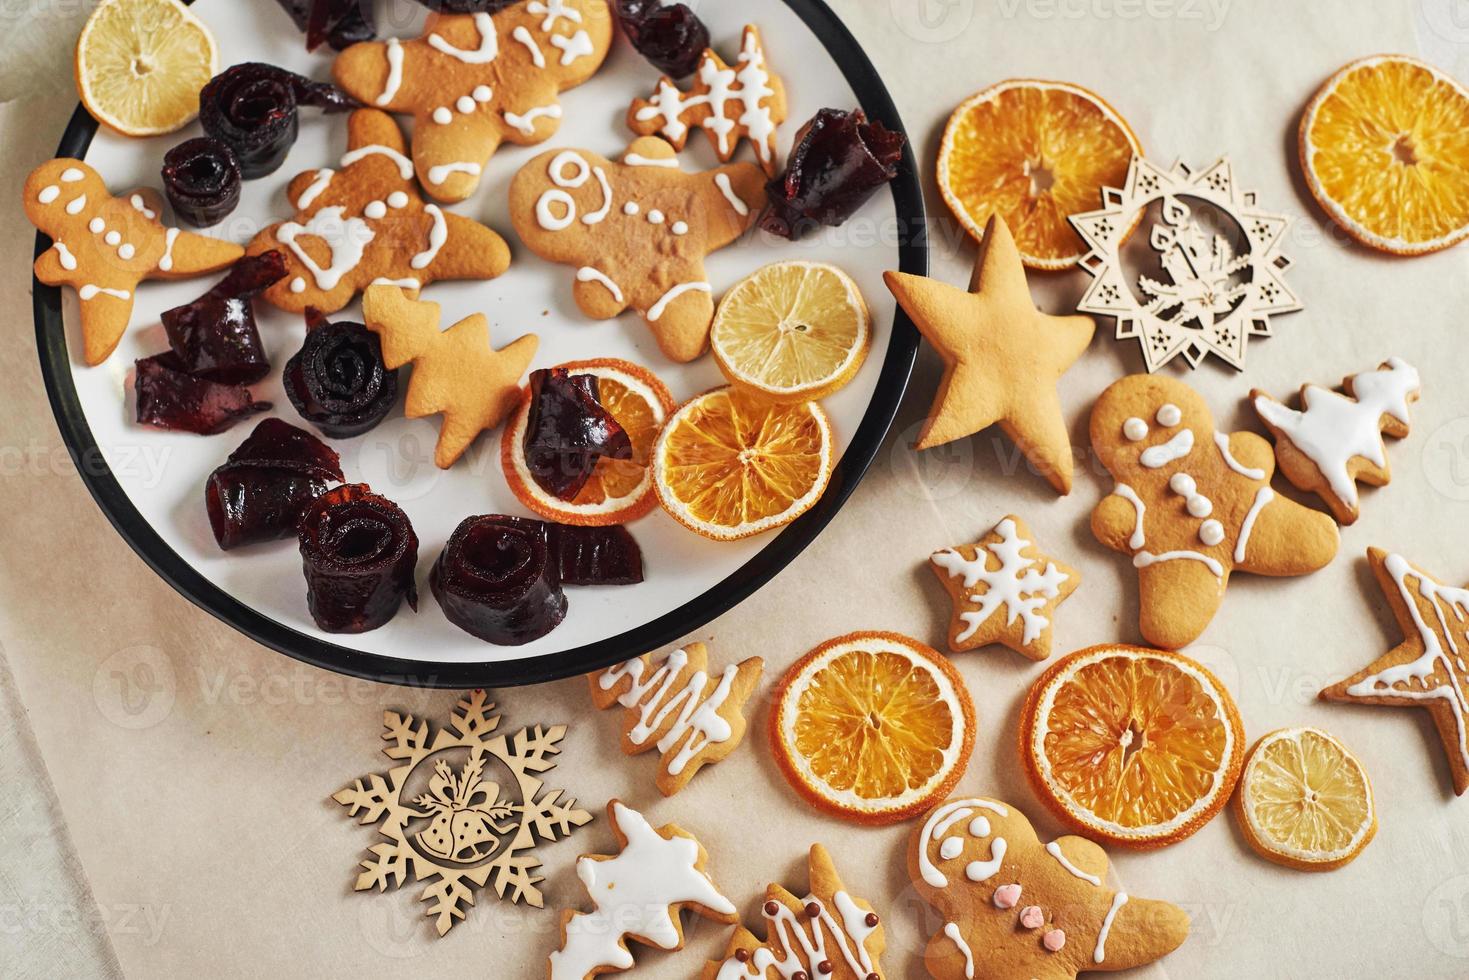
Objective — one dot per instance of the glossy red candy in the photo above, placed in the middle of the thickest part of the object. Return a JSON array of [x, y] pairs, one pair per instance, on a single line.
[[260, 492], [498, 579], [596, 555], [215, 337], [345, 22], [338, 381], [252, 107], [202, 179], [358, 551], [171, 398], [838, 162], [670, 36], [567, 430]]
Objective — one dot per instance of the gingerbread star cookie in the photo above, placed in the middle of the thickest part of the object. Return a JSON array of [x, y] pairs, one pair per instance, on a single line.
[[1334, 440], [1014, 907], [456, 372], [1002, 356], [672, 703], [1192, 505], [365, 223], [1427, 670], [828, 935], [103, 246], [730, 103], [473, 81], [637, 232], [1005, 590], [638, 895]]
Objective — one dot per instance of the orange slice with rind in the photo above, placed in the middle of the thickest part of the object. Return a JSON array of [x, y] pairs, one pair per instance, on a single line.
[[140, 65]]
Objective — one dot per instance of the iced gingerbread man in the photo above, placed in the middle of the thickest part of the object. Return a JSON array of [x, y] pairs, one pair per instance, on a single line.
[[1191, 505]]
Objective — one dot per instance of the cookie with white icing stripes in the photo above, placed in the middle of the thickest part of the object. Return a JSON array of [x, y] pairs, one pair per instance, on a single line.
[[473, 81], [1191, 505], [363, 223], [1014, 907], [637, 232]]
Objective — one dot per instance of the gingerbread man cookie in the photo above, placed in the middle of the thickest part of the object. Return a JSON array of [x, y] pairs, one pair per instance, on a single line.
[[1191, 505], [474, 80], [637, 231], [1014, 907], [730, 103], [103, 246], [365, 224]]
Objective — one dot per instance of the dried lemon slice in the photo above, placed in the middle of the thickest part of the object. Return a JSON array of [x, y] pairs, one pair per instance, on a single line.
[[140, 65]]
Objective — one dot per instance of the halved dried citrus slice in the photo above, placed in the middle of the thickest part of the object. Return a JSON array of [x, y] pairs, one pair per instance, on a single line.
[[1132, 746], [1384, 145], [1036, 153], [619, 490], [1305, 801], [872, 726], [730, 464], [141, 63], [792, 331]]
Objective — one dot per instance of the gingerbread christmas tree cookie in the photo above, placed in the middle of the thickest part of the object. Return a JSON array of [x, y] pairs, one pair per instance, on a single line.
[[673, 703], [1004, 589], [103, 246], [474, 80], [1002, 356]]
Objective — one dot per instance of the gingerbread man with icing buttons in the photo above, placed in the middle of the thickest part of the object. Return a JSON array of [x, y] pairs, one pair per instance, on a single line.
[[1014, 907], [1191, 505], [637, 232], [473, 81], [103, 246]]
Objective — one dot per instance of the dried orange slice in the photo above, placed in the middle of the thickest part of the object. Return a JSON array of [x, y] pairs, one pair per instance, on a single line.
[[1131, 746], [792, 331], [1305, 801], [874, 727], [619, 490], [140, 65], [1384, 145], [730, 464], [1036, 153]]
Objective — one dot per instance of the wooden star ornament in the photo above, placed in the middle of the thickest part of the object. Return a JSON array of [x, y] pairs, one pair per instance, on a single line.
[[1002, 356], [1430, 668], [1005, 590], [457, 373]]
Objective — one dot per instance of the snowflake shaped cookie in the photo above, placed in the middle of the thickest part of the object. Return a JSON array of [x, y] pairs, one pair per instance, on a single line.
[[1005, 590], [1207, 299], [462, 807]]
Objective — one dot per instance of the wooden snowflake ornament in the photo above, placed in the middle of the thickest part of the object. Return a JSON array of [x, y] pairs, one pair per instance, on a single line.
[[1209, 300], [462, 807]]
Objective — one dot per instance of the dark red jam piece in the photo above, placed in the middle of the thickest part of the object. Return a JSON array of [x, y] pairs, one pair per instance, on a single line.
[[596, 555], [252, 107], [215, 337], [260, 492], [202, 179], [169, 397], [352, 23], [671, 36], [359, 553], [567, 430], [338, 381], [838, 162], [498, 579]]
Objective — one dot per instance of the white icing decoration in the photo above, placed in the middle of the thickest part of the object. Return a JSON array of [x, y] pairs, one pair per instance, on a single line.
[[298, 285], [545, 218], [375, 210], [482, 93], [1167, 452], [752, 79], [523, 36], [438, 234], [1198, 505], [397, 199], [1017, 584], [1211, 532], [951, 848], [464, 104], [347, 238], [1128, 494], [113, 238], [64, 256], [49, 193], [655, 699], [656, 310], [169, 237], [71, 175], [1145, 558], [141, 206], [1222, 441], [1169, 415], [439, 174], [721, 181], [443, 116], [553, 10], [1135, 429], [979, 826], [75, 205], [394, 51], [631, 207], [559, 163], [679, 228], [90, 291], [633, 893], [638, 160], [1262, 497], [126, 251], [655, 217], [408, 283], [489, 43], [1054, 850], [96, 226], [951, 929], [937, 826], [595, 217], [1099, 955], [405, 166], [574, 47], [851, 935], [526, 123], [589, 274]]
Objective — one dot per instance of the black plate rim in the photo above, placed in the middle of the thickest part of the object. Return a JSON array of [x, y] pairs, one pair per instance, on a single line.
[[782, 549]]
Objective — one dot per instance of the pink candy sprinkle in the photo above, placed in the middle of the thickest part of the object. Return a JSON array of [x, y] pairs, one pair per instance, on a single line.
[[1054, 940], [1032, 917], [1006, 896]]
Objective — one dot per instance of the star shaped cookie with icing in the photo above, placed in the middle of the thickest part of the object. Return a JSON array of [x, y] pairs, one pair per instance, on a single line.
[[456, 372], [1002, 356], [365, 223], [1430, 668], [1004, 590], [637, 232], [103, 246], [473, 81]]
